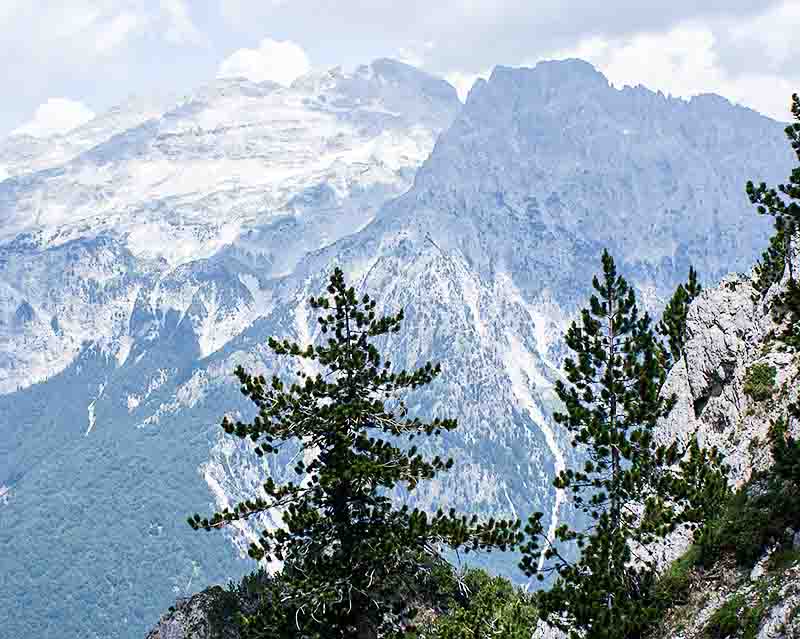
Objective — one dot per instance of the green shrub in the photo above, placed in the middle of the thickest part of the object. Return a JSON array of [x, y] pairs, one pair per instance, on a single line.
[[487, 607], [672, 588], [785, 449], [726, 620], [757, 513], [471, 605], [759, 382], [223, 613], [739, 618], [782, 559], [736, 618], [788, 305]]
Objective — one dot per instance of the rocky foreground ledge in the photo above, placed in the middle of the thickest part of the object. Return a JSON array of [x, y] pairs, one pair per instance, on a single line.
[[195, 617]]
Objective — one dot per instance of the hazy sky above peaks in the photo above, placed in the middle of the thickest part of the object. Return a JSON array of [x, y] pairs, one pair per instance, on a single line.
[[64, 60]]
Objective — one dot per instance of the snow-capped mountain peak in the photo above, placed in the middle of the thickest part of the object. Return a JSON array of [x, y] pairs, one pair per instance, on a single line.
[[269, 172]]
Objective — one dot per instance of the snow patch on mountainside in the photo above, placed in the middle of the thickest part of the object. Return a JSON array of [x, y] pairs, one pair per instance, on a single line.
[[259, 173], [91, 410], [92, 419], [524, 374], [81, 293], [234, 473], [228, 158], [24, 154]]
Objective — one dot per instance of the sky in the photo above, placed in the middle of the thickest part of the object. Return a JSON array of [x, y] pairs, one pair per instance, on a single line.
[[62, 61]]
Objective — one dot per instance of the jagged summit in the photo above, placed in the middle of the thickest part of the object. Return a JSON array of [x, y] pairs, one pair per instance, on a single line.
[[540, 83], [552, 74], [554, 156]]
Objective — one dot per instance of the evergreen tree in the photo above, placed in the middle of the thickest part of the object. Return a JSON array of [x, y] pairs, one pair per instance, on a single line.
[[785, 449], [770, 201], [769, 269], [632, 489], [348, 552], [484, 606], [782, 251], [673, 322]]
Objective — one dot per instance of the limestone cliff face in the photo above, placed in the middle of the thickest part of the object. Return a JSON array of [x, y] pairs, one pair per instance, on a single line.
[[735, 379], [731, 335]]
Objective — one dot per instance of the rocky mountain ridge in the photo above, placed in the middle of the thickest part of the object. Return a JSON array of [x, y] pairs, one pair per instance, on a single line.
[[488, 251], [737, 379]]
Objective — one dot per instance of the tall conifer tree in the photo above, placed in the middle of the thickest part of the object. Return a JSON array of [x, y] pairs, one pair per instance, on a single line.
[[782, 251], [783, 204], [632, 489], [673, 321], [349, 554], [770, 268]]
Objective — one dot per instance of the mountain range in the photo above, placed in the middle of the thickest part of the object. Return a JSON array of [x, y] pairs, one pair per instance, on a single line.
[[146, 254]]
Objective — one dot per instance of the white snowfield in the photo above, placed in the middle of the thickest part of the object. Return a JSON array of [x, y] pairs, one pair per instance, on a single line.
[[182, 184], [219, 168]]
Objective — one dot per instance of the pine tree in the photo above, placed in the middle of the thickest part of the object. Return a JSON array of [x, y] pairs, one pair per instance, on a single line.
[[349, 554], [785, 449], [769, 269], [632, 489], [673, 321], [782, 249]]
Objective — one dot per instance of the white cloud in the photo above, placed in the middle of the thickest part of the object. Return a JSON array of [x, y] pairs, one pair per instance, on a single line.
[[57, 115], [685, 61], [181, 29], [4, 174], [768, 41], [116, 31], [281, 62], [415, 53], [463, 81]]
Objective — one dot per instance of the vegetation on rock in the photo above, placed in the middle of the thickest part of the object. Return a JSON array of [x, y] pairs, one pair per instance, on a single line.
[[782, 250], [759, 383], [786, 449], [672, 326], [633, 490], [451, 604]]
